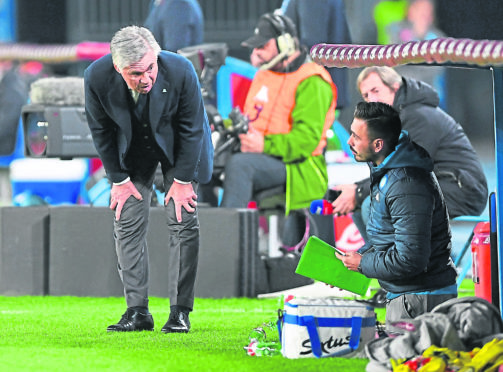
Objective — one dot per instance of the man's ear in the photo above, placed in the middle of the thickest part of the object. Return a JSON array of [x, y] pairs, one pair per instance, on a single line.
[[378, 145], [117, 68]]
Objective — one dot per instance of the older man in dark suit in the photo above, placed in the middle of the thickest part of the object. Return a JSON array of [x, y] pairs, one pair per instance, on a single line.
[[144, 107]]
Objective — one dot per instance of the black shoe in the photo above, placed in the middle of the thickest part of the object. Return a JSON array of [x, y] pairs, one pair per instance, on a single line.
[[378, 300], [178, 322], [133, 320]]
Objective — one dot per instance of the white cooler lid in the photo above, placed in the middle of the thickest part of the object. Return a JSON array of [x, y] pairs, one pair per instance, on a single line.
[[30, 169]]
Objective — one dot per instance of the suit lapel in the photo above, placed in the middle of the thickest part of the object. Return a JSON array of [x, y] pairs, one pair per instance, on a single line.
[[119, 101], [159, 96]]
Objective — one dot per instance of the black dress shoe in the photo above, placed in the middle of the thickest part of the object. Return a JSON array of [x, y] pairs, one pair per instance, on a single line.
[[133, 320], [178, 322], [378, 300]]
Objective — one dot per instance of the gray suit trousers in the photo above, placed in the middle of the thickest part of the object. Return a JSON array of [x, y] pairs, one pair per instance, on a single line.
[[130, 234]]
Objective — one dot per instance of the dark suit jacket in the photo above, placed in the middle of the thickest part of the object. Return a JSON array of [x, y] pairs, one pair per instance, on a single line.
[[176, 112]]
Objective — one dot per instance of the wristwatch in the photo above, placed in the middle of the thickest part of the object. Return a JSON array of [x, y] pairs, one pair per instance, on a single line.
[[359, 192], [360, 265]]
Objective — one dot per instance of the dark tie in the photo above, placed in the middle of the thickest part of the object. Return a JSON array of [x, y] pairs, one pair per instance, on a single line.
[[140, 106]]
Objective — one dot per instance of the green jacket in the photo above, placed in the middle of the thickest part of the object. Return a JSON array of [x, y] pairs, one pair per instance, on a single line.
[[307, 177]]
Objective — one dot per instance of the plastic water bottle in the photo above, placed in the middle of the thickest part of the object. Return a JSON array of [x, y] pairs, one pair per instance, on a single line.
[[260, 348], [257, 334], [258, 345]]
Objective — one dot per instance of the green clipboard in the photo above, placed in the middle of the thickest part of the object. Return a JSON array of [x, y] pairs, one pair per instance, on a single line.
[[318, 262]]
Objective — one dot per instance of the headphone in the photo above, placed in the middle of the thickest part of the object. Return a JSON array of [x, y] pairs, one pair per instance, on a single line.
[[285, 41]]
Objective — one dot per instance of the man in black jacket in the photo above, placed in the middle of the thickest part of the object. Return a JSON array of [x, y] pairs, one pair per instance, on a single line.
[[456, 164], [409, 239]]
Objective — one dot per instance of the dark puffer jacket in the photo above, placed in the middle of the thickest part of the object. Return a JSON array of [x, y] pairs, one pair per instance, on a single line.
[[409, 235]]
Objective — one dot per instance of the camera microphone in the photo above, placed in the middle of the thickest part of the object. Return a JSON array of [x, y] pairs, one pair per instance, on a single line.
[[324, 206], [273, 61], [321, 207]]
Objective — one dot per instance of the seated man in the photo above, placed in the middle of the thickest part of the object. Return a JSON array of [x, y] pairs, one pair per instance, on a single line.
[[456, 165], [290, 105], [409, 239]]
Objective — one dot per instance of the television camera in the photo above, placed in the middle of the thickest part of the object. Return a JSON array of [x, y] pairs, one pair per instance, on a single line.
[[226, 138], [207, 60], [54, 123]]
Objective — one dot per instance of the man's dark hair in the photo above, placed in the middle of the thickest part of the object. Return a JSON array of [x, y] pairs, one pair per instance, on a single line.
[[382, 121]]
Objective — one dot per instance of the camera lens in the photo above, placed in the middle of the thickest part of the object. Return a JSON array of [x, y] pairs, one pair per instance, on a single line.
[[36, 134]]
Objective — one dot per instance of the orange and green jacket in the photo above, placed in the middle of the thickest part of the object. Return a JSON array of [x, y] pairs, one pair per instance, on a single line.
[[294, 110]]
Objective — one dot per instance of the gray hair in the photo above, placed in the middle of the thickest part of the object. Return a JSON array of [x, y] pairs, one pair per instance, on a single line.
[[130, 44], [388, 76]]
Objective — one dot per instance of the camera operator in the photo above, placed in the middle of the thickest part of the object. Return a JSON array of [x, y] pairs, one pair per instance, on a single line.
[[290, 105]]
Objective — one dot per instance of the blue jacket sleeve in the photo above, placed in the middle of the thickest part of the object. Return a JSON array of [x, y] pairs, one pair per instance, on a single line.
[[176, 24]]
